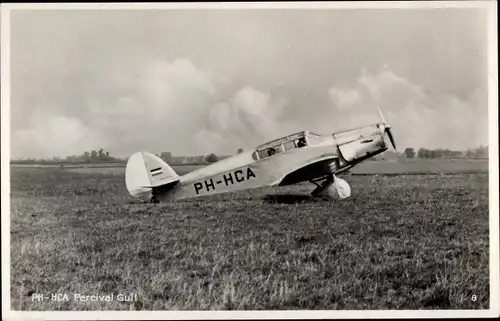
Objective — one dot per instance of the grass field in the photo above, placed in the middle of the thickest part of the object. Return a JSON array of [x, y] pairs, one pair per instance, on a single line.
[[400, 242]]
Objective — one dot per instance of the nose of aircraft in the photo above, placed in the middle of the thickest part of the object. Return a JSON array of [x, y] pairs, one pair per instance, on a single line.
[[385, 129], [389, 134]]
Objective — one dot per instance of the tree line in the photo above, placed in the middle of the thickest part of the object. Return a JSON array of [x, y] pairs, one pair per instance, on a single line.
[[101, 156], [424, 153], [94, 156]]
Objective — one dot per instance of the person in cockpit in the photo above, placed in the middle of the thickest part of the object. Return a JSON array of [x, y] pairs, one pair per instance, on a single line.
[[301, 142]]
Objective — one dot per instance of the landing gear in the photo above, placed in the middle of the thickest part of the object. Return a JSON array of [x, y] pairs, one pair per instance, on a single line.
[[154, 199], [330, 186], [321, 187]]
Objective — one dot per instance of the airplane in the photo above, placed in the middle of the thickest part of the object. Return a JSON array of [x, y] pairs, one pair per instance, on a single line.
[[300, 157]]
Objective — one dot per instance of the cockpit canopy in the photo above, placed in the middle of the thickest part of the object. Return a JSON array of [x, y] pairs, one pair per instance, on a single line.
[[285, 144]]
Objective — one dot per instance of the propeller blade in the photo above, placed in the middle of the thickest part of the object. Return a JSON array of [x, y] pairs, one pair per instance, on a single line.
[[387, 128], [381, 115], [391, 138]]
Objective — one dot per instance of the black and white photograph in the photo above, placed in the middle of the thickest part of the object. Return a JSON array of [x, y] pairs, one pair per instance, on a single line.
[[224, 160]]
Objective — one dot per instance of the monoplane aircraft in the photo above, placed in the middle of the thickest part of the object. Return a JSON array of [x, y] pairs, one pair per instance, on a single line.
[[300, 157]]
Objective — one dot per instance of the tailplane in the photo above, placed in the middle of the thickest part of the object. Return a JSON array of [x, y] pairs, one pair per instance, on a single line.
[[145, 172]]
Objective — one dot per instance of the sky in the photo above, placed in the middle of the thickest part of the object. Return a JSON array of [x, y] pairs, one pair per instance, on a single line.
[[194, 82]]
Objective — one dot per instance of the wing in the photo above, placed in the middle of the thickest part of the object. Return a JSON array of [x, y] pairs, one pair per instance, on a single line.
[[312, 171]]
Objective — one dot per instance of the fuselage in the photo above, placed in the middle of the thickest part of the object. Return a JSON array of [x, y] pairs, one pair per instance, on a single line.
[[323, 155]]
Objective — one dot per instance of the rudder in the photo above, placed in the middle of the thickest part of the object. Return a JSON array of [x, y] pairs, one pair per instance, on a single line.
[[145, 171], [159, 171]]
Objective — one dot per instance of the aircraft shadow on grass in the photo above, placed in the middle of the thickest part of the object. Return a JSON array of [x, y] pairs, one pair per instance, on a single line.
[[293, 199]]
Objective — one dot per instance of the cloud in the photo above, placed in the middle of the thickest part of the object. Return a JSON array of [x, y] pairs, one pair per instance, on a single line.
[[419, 118], [173, 105], [248, 118], [159, 106], [344, 98], [142, 80], [153, 105], [54, 135]]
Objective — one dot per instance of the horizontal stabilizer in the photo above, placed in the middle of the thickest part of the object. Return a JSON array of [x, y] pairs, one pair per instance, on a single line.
[[161, 183]]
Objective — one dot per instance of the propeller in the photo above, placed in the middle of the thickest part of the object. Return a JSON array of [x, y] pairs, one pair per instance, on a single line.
[[387, 128], [391, 138]]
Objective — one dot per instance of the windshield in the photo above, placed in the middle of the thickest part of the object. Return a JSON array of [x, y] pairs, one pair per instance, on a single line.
[[313, 138]]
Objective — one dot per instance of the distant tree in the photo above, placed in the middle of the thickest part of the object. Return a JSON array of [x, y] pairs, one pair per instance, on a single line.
[[481, 152], [93, 155], [409, 152], [389, 155], [240, 150], [438, 153], [166, 156], [212, 158], [101, 154], [424, 153], [107, 155]]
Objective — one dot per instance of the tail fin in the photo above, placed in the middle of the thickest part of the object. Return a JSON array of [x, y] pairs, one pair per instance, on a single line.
[[145, 171]]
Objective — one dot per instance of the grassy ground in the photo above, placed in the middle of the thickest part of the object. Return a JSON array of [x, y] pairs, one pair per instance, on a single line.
[[400, 242]]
